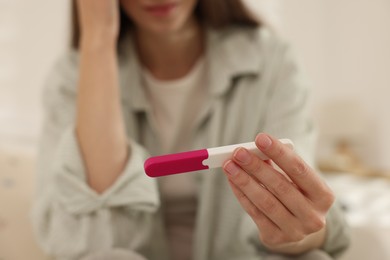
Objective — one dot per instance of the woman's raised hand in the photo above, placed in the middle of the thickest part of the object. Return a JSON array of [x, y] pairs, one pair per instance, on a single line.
[[290, 214], [99, 21]]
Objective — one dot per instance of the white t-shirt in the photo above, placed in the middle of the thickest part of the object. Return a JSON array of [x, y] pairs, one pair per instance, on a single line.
[[175, 108]]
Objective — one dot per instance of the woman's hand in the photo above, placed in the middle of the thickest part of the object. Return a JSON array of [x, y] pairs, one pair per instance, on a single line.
[[99, 21], [289, 213]]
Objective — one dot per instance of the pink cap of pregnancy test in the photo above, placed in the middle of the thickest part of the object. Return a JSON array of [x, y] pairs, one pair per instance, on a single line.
[[169, 164]]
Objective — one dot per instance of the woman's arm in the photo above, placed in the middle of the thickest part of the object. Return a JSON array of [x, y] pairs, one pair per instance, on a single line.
[[70, 219], [99, 124]]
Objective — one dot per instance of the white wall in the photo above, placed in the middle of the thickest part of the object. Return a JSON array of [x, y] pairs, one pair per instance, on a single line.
[[31, 37], [345, 46]]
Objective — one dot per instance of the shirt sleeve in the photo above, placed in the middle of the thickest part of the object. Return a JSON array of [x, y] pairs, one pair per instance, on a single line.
[[69, 218], [288, 116]]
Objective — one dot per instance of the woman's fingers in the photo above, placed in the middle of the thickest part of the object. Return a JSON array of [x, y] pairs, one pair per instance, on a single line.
[[263, 200], [296, 168], [285, 191], [270, 234], [262, 221]]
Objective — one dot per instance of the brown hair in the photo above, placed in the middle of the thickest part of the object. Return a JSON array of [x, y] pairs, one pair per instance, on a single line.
[[216, 14]]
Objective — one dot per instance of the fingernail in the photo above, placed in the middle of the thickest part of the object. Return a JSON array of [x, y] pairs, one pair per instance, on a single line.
[[231, 168], [242, 155], [264, 141]]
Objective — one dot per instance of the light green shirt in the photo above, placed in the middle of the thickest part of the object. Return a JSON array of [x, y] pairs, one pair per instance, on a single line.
[[254, 86]]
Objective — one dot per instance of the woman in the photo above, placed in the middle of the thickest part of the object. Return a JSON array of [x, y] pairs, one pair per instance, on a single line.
[[154, 77]]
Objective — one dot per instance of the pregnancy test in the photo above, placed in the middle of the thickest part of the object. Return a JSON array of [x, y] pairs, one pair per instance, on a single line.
[[164, 165]]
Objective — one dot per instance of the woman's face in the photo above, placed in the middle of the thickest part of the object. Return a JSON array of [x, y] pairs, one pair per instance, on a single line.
[[159, 16]]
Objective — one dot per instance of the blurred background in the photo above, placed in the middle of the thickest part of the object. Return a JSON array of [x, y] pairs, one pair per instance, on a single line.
[[344, 47]]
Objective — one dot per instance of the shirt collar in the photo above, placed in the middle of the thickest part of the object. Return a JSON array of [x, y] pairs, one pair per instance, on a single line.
[[230, 53]]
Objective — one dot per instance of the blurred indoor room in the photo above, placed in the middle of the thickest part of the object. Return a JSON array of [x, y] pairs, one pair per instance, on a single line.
[[344, 48]]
